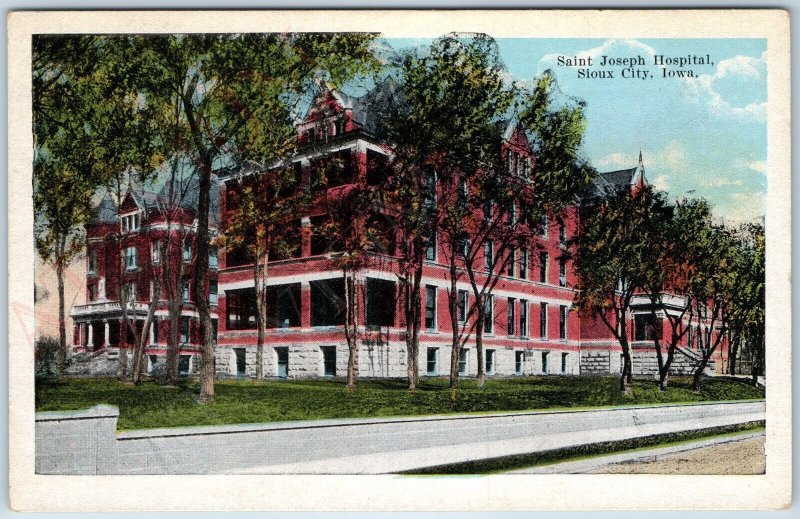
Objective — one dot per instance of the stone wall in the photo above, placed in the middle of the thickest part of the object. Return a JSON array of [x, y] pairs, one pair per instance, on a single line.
[[86, 442], [77, 442]]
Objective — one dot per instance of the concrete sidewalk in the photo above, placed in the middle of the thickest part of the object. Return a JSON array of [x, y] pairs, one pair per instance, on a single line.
[[597, 464]]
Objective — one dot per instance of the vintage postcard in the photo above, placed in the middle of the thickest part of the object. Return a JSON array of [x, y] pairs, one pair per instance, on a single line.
[[339, 260]]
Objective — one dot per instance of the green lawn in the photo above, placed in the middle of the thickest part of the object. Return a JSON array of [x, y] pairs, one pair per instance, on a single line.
[[150, 405]]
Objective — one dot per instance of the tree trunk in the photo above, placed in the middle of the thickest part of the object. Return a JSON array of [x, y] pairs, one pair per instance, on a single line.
[[412, 327], [62, 326], [626, 379], [173, 341], [260, 281], [733, 352], [698, 375], [173, 283], [481, 315], [350, 328], [145, 335], [455, 348], [200, 278]]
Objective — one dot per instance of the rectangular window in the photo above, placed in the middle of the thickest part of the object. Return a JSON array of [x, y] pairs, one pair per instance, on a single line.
[[430, 190], [545, 227], [562, 234], [329, 361], [130, 292], [282, 355], [523, 318], [187, 252], [186, 292], [690, 339], [283, 306], [511, 317], [464, 242], [463, 297], [430, 247], [92, 291], [523, 264], [543, 267], [212, 292], [463, 362], [490, 362], [91, 267], [519, 362], [646, 328], [562, 272], [213, 257], [184, 364], [240, 307], [545, 355], [488, 256], [562, 322], [380, 302], [430, 307], [241, 362], [488, 314], [156, 251], [184, 330], [433, 361], [487, 210], [512, 256], [327, 302], [543, 320], [130, 258], [564, 362], [512, 215]]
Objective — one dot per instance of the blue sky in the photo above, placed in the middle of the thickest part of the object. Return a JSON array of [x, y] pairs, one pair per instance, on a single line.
[[705, 136]]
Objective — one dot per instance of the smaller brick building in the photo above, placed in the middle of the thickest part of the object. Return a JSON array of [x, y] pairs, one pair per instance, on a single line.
[[131, 244]]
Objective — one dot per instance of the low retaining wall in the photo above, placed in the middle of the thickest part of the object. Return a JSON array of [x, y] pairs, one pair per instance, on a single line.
[[85, 442]]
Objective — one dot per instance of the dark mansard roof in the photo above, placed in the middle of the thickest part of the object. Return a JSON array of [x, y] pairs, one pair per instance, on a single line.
[[151, 198], [609, 182]]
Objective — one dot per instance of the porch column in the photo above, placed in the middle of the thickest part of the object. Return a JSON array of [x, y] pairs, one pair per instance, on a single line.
[[80, 334], [90, 341], [123, 332], [106, 334], [305, 304], [153, 325], [305, 237]]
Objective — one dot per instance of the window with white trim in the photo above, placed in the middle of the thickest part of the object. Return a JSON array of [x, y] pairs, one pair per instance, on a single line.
[[156, 254], [130, 258]]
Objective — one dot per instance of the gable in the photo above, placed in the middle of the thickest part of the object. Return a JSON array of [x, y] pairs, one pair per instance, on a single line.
[[128, 204]]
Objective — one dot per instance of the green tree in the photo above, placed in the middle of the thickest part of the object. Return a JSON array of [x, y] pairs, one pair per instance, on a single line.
[[88, 126], [224, 90], [443, 135], [259, 222], [746, 314], [608, 251]]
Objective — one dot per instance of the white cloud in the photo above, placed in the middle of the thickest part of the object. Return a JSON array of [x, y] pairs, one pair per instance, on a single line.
[[743, 207], [703, 89], [661, 182], [614, 160], [672, 157], [757, 165]]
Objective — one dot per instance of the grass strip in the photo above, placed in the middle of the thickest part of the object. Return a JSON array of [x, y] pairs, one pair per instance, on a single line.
[[591, 450], [151, 405]]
